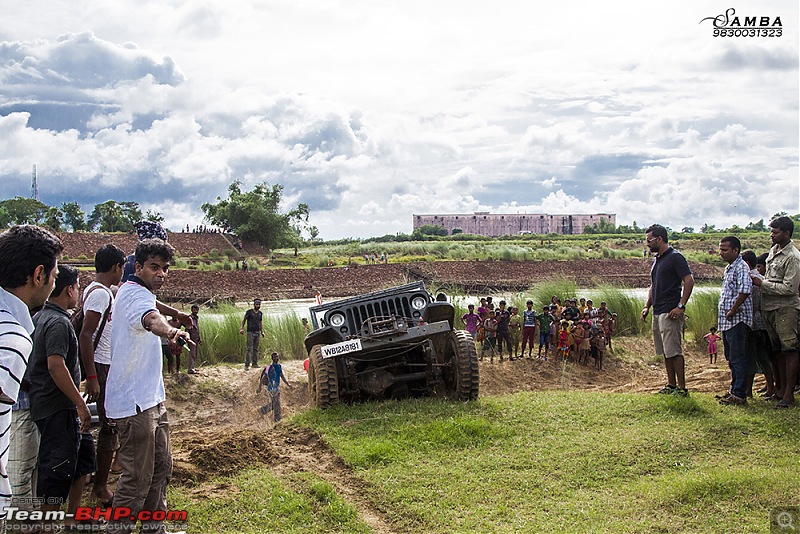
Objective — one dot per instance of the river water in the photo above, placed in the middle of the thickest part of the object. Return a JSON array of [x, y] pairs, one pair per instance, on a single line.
[[299, 307]]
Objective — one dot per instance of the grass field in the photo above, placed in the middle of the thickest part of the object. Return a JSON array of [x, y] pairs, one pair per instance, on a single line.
[[532, 247], [534, 462]]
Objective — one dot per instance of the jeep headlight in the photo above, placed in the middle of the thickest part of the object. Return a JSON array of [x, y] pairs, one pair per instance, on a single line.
[[419, 302], [336, 319]]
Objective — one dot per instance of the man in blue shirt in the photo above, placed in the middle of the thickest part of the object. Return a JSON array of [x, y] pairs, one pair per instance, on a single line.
[[669, 272], [271, 377]]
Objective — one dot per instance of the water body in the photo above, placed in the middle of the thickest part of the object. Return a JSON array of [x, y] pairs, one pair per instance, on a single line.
[[299, 307]]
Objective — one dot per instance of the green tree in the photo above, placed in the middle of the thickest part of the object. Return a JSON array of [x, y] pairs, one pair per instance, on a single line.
[[687, 230], [708, 228], [132, 212], [429, 229], [74, 216], [113, 216], [154, 216], [23, 210], [601, 227], [298, 219], [5, 218], [54, 218], [457, 231], [255, 215], [758, 226]]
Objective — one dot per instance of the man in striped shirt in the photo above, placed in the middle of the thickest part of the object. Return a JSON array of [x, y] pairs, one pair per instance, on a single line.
[[28, 268]]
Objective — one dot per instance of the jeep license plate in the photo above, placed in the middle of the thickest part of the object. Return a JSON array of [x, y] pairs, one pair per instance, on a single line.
[[329, 351]]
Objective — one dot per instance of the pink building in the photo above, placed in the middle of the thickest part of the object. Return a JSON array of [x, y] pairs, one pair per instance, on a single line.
[[497, 224]]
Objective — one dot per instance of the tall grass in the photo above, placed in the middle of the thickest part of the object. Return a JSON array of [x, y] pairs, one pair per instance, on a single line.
[[222, 341], [701, 314], [627, 307], [563, 288]]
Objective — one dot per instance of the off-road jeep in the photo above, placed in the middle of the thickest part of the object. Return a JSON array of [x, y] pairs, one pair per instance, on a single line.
[[395, 342]]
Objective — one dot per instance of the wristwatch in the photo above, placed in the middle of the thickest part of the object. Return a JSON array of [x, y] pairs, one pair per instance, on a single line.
[[681, 306]]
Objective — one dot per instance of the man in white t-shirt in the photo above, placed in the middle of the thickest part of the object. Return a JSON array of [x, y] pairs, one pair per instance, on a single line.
[[135, 388], [95, 345], [27, 277]]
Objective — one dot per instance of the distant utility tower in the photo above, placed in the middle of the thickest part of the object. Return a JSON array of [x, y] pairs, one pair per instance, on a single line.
[[34, 185]]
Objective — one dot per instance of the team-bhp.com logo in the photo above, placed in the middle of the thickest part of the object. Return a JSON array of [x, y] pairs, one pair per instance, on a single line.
[[85, 513], [729, 24]]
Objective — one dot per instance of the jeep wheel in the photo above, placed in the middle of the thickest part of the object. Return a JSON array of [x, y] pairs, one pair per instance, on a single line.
[[323, 382], [462, 378]]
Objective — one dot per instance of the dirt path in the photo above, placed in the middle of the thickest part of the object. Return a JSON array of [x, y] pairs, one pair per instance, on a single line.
[[224, 399], [216, 427]]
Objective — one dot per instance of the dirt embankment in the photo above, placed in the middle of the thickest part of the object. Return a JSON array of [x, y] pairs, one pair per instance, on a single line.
[[273, 284], [470, 276]]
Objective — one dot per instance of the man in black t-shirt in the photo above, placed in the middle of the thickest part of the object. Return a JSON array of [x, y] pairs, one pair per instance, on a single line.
[[66, 448], [668, 299], [255, 327]]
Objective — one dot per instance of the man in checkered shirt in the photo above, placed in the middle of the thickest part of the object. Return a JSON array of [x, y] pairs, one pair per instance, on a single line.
[[735, 318]]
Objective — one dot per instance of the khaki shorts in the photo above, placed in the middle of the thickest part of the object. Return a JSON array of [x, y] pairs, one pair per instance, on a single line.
[[782, 328], [667, 335]]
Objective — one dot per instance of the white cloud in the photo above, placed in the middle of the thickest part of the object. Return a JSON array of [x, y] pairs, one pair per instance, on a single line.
[[373, 114]]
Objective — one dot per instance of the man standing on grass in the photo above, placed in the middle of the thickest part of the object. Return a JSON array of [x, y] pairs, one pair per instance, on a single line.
[[669, 272], [135, 388], [254, 318], [735, 318], [28, 273], [780, 304]]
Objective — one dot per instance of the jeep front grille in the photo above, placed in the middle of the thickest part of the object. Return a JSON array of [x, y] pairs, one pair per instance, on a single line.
[[399, 306]]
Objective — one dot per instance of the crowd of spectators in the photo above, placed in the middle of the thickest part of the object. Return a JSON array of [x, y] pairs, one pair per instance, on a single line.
[[572, 329]]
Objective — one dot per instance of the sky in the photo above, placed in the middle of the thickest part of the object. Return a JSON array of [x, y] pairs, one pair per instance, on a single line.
[[370, 111]]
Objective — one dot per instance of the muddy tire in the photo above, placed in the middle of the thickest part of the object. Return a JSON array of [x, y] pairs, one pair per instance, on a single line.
[[463, 377], [323, 381]]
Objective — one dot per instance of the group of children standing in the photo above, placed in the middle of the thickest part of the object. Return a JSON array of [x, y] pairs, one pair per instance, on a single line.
[[577, 331]]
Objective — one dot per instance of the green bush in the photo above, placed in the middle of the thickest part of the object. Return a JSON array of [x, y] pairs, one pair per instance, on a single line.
[[563, 288], [627, 307], [701, 313], [222, 341]]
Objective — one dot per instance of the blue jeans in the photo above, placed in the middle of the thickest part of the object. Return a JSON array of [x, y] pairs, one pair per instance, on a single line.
[[735, 343]]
